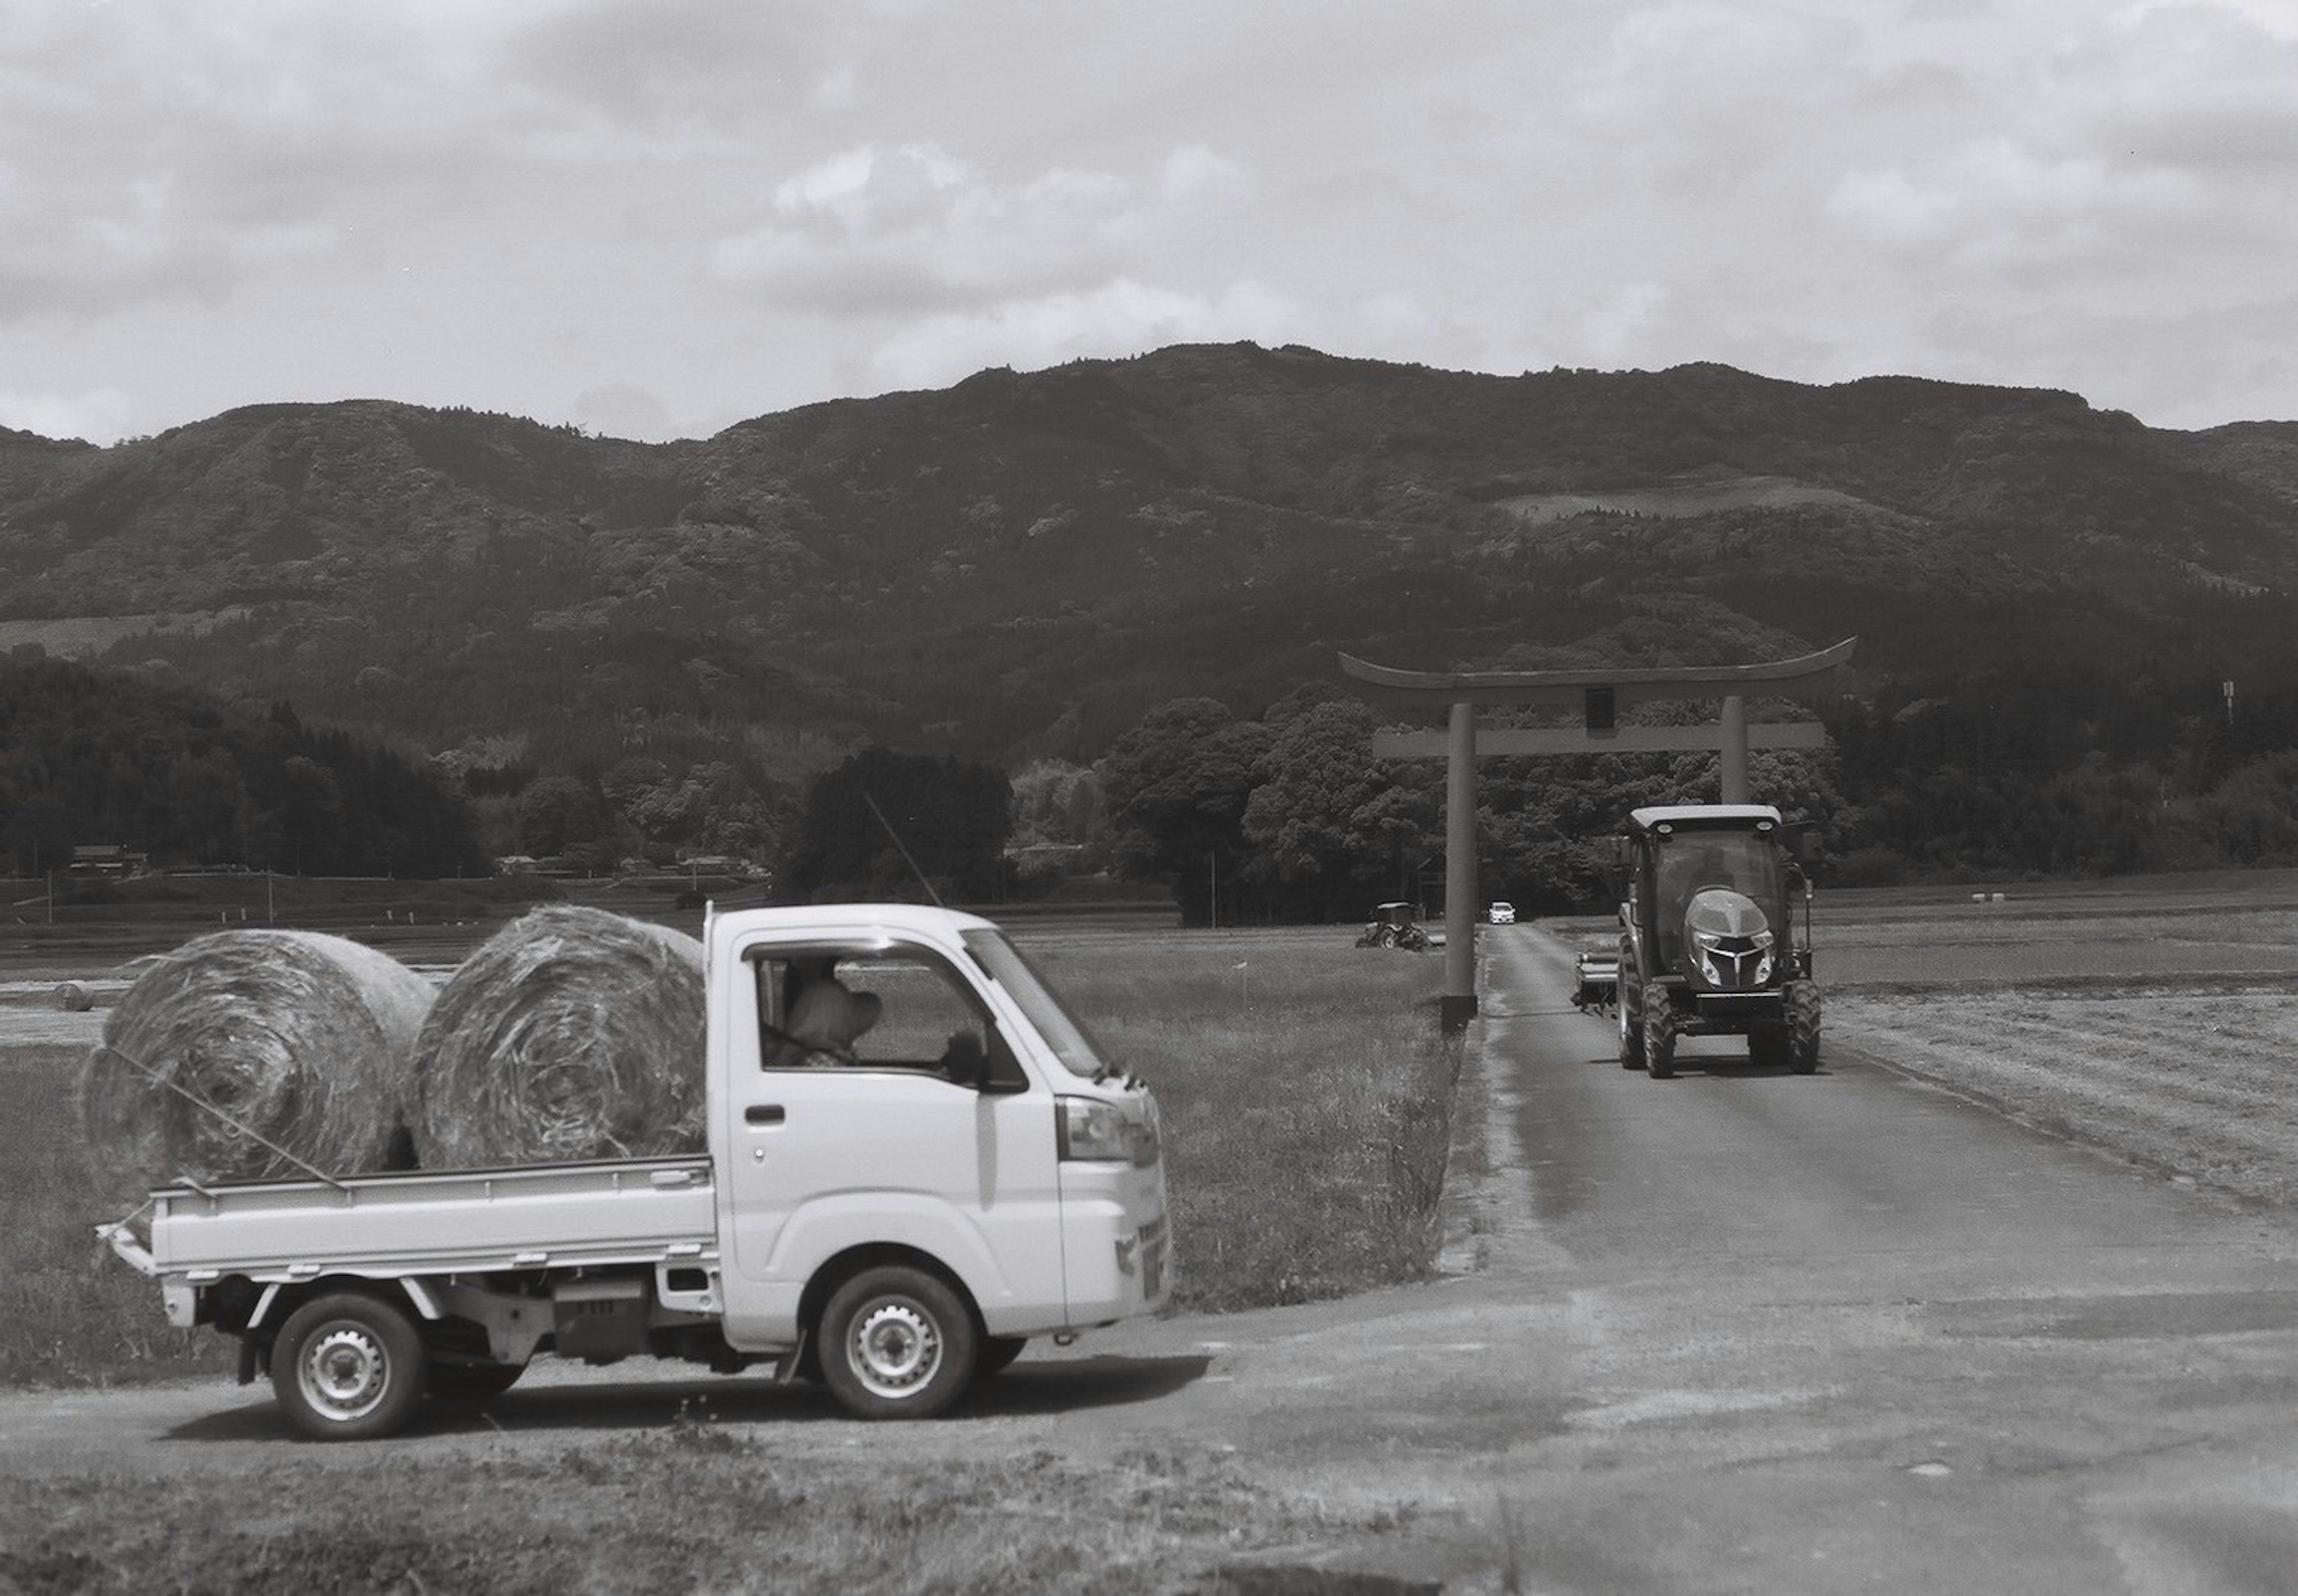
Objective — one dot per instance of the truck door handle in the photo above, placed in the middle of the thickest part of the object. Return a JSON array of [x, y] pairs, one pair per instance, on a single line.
[[762, 1113]]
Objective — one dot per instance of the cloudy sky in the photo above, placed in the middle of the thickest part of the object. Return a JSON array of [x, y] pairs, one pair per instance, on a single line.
[[654, 217]]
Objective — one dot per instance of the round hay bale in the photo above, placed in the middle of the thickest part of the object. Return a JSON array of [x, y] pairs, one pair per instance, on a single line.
[[306, 1039], [74, 998], [571, 1033]]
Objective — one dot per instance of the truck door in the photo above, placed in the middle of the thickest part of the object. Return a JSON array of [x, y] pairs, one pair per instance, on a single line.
[[873, 1098]]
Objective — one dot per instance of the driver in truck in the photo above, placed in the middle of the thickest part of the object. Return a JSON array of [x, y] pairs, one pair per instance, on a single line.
[[826, 1019]]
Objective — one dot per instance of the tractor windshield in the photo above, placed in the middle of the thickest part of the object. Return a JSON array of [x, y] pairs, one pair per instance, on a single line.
[[1689, 860]]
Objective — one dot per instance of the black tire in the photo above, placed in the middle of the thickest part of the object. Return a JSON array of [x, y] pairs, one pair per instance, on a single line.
[[1627, 1005], [997, 1352], [1385, 937], [472, 1382], [1803, 1026], [898, 1343], [349, 1367], [1659, 1034]]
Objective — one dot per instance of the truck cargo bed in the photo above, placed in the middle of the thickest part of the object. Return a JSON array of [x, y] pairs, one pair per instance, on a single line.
[[644, 1210]]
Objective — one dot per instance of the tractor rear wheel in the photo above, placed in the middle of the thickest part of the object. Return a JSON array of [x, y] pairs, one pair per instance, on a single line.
[[1627, 1004], [1803, 1026], [1659, 1034]]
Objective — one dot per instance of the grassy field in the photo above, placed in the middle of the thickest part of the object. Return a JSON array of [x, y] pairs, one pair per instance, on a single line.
[[1307, 1102], [689, 1508]]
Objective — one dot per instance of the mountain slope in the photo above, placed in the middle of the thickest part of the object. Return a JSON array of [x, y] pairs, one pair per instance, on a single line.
[[1025, 563]]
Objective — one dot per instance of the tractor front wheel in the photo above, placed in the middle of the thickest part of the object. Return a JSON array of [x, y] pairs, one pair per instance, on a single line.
[[1803, 1026], [1627, 1005], [1659, 1034]]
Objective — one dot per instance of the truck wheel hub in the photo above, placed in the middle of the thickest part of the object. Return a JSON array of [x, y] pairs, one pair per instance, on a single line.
[[895, 1348], [343, 1373]]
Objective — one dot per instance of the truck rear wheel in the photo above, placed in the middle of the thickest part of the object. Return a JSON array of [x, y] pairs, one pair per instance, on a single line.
[[349, 1367], [896, 1343], [1659, 1034], [1627, 1005]]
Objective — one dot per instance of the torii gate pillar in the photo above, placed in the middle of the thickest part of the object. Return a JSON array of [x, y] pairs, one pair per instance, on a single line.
[[1599, 693], [1457, 1005]]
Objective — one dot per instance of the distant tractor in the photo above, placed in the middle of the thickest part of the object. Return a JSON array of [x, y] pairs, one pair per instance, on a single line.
[[1395, 925], [1707, 943]]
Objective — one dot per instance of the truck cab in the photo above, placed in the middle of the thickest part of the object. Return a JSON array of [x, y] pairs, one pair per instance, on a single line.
[[972, 1120], [917, 1158]]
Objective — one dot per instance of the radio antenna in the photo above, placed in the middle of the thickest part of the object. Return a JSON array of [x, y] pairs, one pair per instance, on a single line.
[[904, 849]]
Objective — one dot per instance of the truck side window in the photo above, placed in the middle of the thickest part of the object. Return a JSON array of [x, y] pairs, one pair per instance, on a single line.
[[875, 1009]]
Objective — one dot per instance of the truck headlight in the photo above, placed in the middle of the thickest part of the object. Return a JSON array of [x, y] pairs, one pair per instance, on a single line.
[[1092, 1129]]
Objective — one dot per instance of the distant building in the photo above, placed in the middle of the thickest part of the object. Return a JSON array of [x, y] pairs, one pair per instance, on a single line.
[[106, 858]]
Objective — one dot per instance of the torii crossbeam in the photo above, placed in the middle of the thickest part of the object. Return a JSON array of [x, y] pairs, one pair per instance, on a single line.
[[1600, 694]]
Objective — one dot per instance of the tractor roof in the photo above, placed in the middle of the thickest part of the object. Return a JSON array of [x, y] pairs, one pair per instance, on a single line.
[[1720, 817]]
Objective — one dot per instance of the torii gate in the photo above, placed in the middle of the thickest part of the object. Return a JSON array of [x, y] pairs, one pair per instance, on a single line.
[[1601, 694]]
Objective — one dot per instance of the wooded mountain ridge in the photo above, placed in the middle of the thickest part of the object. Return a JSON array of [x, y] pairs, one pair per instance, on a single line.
[[1024, 563]]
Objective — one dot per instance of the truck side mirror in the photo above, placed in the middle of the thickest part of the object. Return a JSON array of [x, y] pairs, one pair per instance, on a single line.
[[990, 1068]]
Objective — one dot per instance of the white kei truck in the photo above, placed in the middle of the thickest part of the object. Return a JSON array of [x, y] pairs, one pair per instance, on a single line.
[[894, 1215]]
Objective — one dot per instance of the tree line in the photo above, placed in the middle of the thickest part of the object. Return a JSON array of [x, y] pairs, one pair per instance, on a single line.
[[104, 758], [1282, 815]]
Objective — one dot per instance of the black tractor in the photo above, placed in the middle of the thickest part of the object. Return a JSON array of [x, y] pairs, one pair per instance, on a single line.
[[1395, 925], [1707, 938]]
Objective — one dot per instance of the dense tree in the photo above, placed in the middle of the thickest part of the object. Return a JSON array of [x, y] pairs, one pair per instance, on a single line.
[[1333, 827], [90, 756], [890, 825], [1177, 787]]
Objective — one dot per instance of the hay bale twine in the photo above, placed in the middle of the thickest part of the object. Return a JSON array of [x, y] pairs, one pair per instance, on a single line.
[[304, 1039], [571, 1033]]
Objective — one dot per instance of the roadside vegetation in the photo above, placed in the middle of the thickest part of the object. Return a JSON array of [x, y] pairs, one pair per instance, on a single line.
[[728, 1515], [1307, 1101]]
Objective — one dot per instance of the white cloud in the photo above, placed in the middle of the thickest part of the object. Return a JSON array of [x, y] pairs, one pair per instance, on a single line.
[[912, 227], [914, 230]]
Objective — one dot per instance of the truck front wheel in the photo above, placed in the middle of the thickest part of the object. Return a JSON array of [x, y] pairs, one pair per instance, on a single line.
[[348, 1367], [896, 1343]]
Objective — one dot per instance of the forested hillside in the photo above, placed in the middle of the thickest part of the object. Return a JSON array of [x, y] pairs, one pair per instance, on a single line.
[[2049, 598], [102, 759]]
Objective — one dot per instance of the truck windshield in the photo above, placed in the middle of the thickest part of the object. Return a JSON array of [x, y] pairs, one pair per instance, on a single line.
[[1063, 1032]]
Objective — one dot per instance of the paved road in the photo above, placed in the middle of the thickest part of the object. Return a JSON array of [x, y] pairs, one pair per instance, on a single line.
[[1739, 1331]]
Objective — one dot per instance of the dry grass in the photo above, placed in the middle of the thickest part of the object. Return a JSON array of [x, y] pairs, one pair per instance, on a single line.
[[76, 1316], [1307, 1099], [693, 1508], [2192, 1082]]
